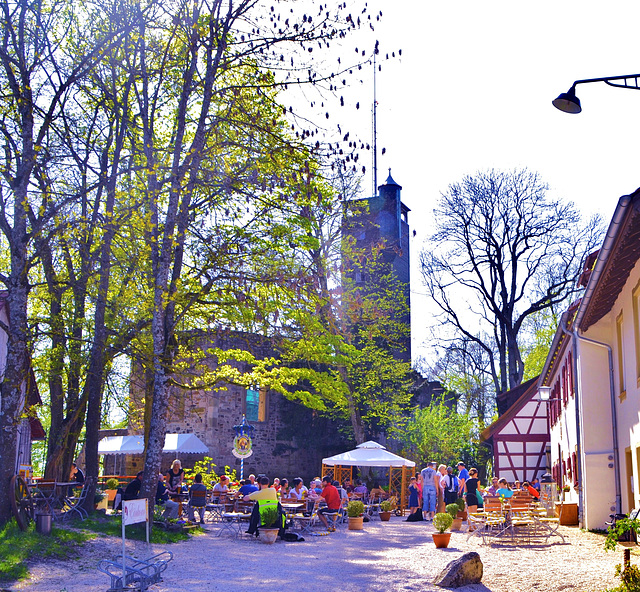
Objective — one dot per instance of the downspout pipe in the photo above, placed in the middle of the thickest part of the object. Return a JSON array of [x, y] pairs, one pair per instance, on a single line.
[[614, 418]]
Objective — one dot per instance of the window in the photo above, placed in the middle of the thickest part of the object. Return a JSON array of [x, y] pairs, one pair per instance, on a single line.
[[635, 297], [256, 404], [619, 340]]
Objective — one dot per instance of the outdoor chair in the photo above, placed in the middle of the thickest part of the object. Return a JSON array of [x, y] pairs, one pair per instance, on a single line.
[[73, 505]]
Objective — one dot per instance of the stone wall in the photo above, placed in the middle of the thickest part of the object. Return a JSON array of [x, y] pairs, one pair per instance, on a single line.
[[290, 442]]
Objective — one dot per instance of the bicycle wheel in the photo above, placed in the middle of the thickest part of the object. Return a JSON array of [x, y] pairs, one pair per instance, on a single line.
[[21, 502]]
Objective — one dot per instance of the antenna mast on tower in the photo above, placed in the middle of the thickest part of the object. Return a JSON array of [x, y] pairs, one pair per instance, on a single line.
[[375, 129]]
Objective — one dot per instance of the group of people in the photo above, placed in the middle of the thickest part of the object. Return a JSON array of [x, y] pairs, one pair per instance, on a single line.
[[436, 486]]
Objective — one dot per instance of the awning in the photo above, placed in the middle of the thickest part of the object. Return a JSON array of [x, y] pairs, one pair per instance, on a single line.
[[368, 454], [121, 445], [184, 443]]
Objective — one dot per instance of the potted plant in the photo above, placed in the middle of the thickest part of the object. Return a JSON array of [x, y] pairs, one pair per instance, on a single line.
[[453, 510], [111, 488], [442, 521], [355, 511], [462, 513], [268, 530], [386, 507]]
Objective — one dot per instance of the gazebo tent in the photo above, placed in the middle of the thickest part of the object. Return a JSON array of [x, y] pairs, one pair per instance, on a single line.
[[372, 454], [121, 445]]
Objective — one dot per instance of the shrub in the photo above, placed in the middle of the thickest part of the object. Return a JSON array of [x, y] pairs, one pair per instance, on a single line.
[[461, 504], [442, 521], [355, 508], [386, 506], [112, 483], [269, 516], [452, 510]]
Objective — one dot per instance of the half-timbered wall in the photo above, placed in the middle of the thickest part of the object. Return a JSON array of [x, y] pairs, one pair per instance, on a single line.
[[520, 446]]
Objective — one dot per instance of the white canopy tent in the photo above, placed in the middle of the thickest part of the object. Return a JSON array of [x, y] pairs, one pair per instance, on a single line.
[[184, 444], [121, 445], [372, 454], [368, 454]]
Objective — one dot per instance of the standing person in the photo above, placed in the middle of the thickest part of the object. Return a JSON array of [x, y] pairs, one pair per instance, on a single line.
[[429, 491], [413, 496], [450, 487], [419, 486], [463, 475], [175, 476], [442, 471], [471, 491]]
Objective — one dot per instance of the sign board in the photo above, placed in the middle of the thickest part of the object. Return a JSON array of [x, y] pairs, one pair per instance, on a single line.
[[242, 446], [134, 511], [25, 471]]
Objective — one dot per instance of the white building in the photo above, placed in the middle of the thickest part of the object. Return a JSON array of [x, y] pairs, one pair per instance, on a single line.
[[593, 372]]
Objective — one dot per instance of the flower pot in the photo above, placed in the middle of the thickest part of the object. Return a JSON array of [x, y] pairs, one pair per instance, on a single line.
[[462, 515], [441, 539], [385, 516], [268, 535], [457, 524], [355, 523]]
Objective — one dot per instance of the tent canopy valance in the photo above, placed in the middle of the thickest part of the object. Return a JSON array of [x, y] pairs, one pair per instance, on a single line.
[[173, 443], [368, 454]]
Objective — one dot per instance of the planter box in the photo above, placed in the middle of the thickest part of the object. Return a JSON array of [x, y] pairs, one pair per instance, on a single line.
[[569, 514]]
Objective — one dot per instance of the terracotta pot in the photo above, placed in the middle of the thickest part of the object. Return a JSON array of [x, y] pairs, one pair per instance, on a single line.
[[462, 515], [268, 535], [456, 524], [355, 523], [385, 516], [441, 539]]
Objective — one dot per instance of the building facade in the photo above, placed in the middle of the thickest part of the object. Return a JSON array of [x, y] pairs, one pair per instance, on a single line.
[[593, 373]]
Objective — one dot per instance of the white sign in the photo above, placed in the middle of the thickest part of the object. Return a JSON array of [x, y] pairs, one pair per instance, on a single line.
[[134, 511]]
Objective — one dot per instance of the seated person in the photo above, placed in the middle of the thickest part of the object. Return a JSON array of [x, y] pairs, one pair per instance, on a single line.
[[221, 488], [197, 499], [331, 496], [175, 476], [265, 497], [360, 490], [162, 499], [298, 492], [246, 489], [526, 486], [504, 490], [347, 485], [377, 492], [132, 491], [284, 489]]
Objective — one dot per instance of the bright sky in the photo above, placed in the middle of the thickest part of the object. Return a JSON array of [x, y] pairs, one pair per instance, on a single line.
[[473, 91]]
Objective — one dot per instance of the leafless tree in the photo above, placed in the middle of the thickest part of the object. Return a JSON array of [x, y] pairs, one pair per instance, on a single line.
[[502, 251]]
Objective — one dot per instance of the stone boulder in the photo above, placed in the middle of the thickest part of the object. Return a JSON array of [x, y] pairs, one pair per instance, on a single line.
[[463, 571]]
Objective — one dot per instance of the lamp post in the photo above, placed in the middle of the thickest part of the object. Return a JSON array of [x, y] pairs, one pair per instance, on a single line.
[[570, 103]]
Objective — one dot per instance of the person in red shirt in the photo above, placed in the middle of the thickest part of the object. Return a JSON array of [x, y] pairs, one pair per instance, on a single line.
[[532, 490], [332, 497]]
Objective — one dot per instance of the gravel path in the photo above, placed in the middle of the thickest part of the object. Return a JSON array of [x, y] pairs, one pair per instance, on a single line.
[[393, 556]]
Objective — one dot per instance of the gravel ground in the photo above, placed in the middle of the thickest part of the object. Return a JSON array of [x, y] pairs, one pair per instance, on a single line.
[[392, 556]]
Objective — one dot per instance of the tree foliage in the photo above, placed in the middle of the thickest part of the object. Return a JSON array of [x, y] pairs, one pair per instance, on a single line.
[[509, 251]]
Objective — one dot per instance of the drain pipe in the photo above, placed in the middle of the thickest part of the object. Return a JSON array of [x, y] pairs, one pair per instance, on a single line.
[[614, 417]]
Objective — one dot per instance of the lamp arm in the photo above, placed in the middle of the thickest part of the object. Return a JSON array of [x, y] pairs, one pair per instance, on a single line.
[[610, 81]]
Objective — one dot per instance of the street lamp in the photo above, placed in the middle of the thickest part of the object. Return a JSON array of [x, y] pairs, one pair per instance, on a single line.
[[570, 103]]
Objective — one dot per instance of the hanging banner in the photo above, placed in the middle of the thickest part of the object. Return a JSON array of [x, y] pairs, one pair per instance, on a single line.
[[242, 446]]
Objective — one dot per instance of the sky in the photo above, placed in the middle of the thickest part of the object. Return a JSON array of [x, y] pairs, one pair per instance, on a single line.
[[473, 90]]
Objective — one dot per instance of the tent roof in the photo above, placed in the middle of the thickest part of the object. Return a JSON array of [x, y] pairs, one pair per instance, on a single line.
[[121, 445], [368, 454], [184, 443]]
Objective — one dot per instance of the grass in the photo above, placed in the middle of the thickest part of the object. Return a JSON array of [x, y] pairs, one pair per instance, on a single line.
[[112, 526], [17, 546]]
